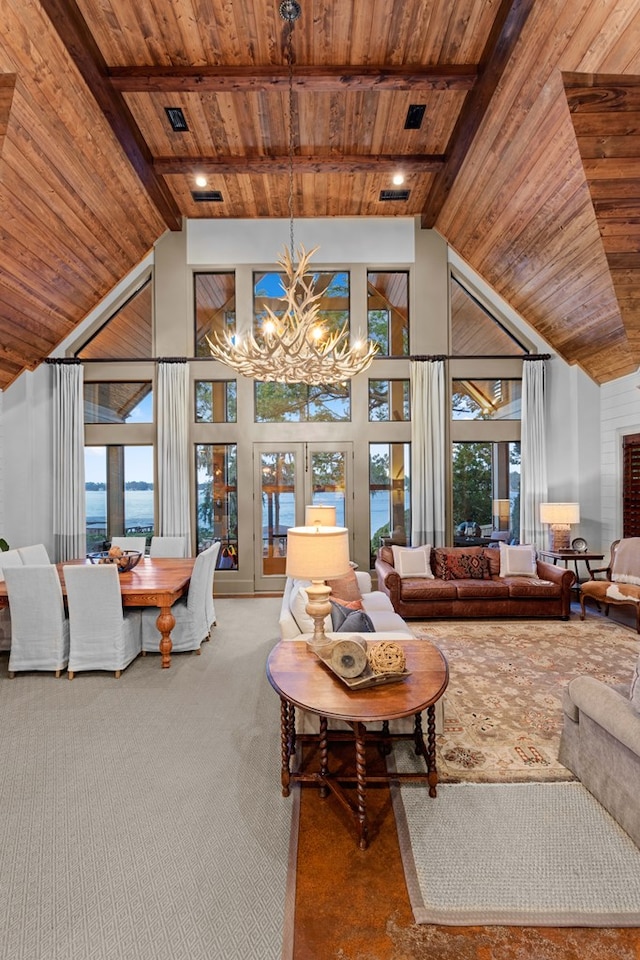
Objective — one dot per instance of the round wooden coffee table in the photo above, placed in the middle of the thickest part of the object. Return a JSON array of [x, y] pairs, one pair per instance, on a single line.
[[303, 681]]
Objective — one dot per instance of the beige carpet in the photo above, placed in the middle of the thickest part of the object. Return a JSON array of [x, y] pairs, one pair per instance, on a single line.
[[503, 712]]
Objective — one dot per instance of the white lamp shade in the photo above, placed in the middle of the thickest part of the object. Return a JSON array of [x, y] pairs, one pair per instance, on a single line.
[[319, 516], [560, 513], [317, 553]]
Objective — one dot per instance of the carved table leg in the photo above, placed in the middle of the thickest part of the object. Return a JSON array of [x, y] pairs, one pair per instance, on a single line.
[[359, 730], [286, 711], [384, 746], [431, 750], [165, 624], [324, 757]]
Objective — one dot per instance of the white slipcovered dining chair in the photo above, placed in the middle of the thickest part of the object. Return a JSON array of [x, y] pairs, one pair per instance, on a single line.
[[130, 543], [168, 547], [39, 626], [102, 636], [194, 615], [8, 558], [36, 553]]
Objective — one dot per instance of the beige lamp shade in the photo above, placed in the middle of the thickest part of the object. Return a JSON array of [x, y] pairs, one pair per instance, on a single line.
[[317, 553], [560, 513], [319, 516]]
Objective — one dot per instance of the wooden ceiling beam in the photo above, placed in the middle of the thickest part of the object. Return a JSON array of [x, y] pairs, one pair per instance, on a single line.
[[74, 33], [505, 33], [380, 163], [318, 79]]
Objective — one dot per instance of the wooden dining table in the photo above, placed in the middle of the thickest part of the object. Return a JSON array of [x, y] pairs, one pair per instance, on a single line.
[[153, 582]]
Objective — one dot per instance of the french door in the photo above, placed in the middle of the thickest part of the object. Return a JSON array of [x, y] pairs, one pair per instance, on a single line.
[[287, 477]]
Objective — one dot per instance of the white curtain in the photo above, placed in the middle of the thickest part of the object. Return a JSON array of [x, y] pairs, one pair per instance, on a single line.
[[173, 450], [428, 420], [69, 507], [533, 450]]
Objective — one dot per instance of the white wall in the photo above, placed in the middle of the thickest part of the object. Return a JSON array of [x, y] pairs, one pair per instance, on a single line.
[[619, 415]]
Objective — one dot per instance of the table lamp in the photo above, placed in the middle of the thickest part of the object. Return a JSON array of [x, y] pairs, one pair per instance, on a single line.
[[560, 516], [317, 554], [501, 511], [318, 515]]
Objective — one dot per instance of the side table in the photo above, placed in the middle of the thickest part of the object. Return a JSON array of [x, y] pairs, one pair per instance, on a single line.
[[574, 555], [303, 681]]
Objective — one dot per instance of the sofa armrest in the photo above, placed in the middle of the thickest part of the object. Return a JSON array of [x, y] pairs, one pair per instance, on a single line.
[[608, 708], [551, 571], [364, 581], [388, 580]]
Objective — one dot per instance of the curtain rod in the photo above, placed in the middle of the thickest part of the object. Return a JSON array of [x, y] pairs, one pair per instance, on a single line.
[[481, 356], [55, 360]]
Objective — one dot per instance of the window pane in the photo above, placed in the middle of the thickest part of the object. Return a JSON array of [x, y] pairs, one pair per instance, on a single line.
[[333, 305], [474, 331], [301, 402], [328, 482], [122, 402], [216, 401], [127, 333], [486, 492], [217, 499], [277, 474], [388, 312], [389, 400], [486, 399], [389, 494], [119, 495], [215, 307]]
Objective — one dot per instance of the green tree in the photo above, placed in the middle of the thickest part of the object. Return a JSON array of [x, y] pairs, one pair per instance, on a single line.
[[471, 471]]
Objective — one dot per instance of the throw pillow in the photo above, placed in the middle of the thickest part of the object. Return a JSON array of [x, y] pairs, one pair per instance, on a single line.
[[356, 621], [340, 610], [413, 561], [493, 559], [345, 587], [454, 565], [518, 561]]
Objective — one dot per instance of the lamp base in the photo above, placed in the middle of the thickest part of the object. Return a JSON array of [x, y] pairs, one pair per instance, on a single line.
[[560, 537], [318, 608]]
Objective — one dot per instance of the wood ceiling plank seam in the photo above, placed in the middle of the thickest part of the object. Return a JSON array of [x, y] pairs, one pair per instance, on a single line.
[[612, 31], [501, 44], [18, 297], [613, 191], [116, 29], [18, 327], [7, 89], [87, 60], [610, 168], [610, 146]]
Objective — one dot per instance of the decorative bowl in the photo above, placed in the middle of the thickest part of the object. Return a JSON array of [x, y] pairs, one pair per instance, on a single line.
[[125, 561]]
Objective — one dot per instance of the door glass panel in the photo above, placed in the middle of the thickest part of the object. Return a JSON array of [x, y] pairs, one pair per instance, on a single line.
[[277, 495], [328, 486], [217, 499], [389, 495]]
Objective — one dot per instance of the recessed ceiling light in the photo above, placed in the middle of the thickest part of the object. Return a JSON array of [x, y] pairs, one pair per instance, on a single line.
[[201, 180], [398, 178]]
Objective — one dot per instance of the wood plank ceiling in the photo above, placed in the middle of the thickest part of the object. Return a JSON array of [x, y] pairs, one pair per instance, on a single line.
[[511, 163]]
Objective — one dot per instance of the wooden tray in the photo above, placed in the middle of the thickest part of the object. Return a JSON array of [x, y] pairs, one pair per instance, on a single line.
[[367, 678]]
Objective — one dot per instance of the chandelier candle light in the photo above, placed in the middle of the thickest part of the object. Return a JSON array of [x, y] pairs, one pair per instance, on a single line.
[[294, 347], [317, 554]]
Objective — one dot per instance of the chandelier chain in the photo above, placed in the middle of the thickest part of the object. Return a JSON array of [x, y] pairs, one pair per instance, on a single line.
[[290, 61]]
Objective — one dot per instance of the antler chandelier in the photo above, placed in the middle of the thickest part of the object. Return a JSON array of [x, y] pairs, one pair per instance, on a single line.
[[294, 347]]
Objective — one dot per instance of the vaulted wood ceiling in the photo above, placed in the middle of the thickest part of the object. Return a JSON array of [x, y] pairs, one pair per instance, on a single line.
[[527, 160]]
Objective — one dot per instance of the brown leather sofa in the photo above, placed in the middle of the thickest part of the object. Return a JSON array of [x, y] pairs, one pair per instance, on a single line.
[[517, 596]]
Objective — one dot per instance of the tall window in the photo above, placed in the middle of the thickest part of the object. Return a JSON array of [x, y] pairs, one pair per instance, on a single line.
[[215, 307], [216, 401], [389, 494], [475, 331], [302, 402], [119, 493], [333, 305], [126, 333], [217, 500], [486, 491], [388, 312]]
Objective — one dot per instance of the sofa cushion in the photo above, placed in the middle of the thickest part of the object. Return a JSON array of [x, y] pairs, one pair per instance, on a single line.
[[345, 620], [493, 559], [518, 561], [413, 561], [345, 587], [453, 563], [423, 589], [481, 589], [532, 587]]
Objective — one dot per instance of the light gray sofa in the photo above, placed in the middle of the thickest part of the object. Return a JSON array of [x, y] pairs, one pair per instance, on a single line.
[[600, 743]]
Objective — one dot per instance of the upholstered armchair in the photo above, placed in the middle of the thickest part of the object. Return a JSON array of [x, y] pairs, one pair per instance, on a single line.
[[619, 583]]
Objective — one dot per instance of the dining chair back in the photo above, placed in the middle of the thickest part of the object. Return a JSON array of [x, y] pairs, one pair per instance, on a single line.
[[168, 547], [36, 553], [39, 626], [130, 543], [102, 636], [193, 615], [8, 558], [213, 552]]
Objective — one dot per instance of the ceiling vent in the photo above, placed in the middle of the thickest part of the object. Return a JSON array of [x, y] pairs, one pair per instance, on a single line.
[[415, 113], [394, 194], [207, 196], [176, 119]]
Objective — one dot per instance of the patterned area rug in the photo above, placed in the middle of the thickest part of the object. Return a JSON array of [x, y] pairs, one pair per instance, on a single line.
[[503, 705]]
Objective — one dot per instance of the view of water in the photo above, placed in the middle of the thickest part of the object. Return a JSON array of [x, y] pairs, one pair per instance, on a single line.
[[138, 506]]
